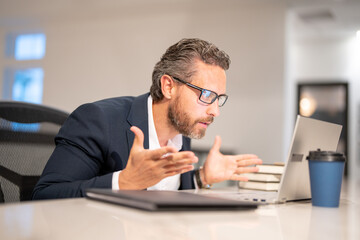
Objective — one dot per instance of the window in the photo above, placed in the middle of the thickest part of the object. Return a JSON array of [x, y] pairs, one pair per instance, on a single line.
[[28, 85], [24, 82], [30, 46]]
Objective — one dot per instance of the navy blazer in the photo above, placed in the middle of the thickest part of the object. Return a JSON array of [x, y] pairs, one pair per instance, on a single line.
[[94, 142]]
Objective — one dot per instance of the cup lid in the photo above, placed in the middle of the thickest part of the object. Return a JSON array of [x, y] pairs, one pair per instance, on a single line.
[[326, 156]]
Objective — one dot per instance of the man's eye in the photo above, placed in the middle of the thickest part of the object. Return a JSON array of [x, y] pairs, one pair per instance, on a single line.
[[206, 93]]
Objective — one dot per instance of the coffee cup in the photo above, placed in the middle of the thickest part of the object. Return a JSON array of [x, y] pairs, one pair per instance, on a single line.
[[326, 169]]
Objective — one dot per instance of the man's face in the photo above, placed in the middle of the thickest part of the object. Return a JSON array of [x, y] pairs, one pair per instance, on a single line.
[[187, 114]]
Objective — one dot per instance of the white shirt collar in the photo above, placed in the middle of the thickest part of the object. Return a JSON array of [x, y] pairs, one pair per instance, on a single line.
[[176, 142]]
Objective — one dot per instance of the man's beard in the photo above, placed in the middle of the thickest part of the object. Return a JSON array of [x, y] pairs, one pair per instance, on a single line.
[[182, 122]]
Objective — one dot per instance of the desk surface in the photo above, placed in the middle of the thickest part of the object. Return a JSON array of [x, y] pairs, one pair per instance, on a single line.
[[87, 219]]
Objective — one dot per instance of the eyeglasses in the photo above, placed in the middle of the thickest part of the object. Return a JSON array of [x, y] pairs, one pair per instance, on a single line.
[[206, 96]]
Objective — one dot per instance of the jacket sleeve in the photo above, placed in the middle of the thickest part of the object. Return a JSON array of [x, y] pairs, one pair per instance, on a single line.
[[187, 179], [79, 160]]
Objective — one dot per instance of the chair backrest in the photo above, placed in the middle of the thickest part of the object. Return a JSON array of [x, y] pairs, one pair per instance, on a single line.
[[27, 134]]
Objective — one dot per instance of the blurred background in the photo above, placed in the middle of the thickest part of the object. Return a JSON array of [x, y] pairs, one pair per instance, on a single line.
[[288, 57]]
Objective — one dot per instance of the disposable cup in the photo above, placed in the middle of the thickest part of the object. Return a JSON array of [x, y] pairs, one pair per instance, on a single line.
[[326, 170]]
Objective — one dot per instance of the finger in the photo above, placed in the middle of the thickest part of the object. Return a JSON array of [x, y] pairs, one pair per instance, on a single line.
[[246, 170], [180, 156], [158, 154], [139, 137], [217, 144], [244, 163], [179, 170], [246, 156], [179, 163]]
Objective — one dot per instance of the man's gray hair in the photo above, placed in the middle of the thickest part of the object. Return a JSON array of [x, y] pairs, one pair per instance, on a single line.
[[179, 61]]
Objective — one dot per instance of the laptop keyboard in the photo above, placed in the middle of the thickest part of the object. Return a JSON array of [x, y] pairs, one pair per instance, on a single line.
[[254, 196]]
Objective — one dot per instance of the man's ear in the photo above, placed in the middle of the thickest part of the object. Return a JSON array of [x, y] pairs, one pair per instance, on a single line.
[[167, 86]]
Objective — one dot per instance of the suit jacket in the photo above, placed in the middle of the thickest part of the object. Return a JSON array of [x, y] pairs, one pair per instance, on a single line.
[[94, 142]]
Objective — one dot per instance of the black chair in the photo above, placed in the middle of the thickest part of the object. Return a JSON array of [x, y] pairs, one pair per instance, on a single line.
[[27, 134]]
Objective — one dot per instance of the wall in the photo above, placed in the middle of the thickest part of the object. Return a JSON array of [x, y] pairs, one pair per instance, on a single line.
[[98, 50], [330, 58]]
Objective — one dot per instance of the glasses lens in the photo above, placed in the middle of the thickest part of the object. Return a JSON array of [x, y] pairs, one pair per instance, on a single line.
[[207, 96], [222, 100]]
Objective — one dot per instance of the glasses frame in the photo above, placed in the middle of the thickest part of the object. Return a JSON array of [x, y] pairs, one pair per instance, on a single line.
[[201, 92]]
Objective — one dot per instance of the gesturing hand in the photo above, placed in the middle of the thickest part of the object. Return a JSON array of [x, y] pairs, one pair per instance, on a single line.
[[219, 167], [146, 167]]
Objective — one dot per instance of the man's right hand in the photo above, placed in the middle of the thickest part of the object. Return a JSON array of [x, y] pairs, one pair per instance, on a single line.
[[146, 167]]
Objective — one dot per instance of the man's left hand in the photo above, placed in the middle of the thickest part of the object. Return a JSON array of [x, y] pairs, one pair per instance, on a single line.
[[219, 167]]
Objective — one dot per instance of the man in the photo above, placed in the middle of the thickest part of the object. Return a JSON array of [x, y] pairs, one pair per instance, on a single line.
[[144, 142]]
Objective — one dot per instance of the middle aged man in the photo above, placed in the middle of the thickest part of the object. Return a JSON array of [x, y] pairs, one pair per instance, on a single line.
[[144, 142]]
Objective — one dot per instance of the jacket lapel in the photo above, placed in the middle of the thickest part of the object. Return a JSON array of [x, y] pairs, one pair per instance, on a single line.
[[138, 116]]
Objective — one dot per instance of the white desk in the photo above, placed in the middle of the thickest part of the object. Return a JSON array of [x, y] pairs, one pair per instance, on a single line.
[[87, 219]]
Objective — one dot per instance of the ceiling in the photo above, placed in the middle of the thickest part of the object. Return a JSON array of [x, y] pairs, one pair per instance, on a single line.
[[308, 17], [325, 17]]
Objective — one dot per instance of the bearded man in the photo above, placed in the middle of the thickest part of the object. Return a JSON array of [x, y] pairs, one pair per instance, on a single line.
[[144, 142]]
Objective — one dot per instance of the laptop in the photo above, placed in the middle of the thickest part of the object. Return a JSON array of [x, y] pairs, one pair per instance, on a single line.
[[309, 135], [166, 200]]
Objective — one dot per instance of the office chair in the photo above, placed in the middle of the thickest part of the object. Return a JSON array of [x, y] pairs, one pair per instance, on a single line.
[[27, 134]]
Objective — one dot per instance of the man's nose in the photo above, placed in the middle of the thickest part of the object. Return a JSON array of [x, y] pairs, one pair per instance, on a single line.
[[213, 109]]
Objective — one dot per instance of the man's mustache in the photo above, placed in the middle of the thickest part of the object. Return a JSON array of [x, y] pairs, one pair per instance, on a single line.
[[208, 120]]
